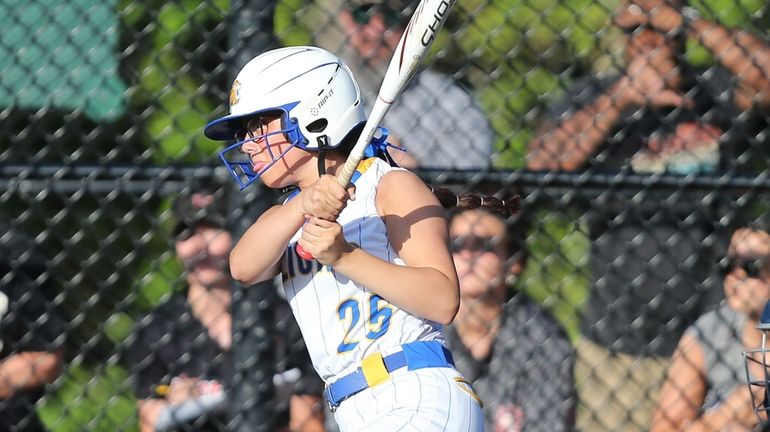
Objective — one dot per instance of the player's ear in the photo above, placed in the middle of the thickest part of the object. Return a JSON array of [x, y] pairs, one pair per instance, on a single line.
[[515, 268], [516, 264]]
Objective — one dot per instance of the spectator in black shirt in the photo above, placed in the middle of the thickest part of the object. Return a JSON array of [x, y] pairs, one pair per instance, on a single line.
[[30, 332], [180, 354], [516, 354]]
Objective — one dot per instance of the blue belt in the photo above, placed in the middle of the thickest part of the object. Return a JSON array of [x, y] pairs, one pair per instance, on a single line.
[[376, 369]]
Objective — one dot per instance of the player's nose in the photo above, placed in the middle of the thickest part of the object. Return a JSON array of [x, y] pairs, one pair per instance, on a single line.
[[249, 146]]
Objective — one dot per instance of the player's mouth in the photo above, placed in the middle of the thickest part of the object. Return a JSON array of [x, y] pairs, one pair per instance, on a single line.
[[257, 166]]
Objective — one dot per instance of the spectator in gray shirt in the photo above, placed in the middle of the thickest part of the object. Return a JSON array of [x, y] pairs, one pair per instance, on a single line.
[[516, 355], [436, 119], [704, 389]]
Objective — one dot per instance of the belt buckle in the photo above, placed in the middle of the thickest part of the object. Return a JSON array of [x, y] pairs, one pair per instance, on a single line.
[[328, 396], [332, 407]]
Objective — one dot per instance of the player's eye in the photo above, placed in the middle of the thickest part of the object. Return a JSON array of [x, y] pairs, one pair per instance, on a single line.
[[256, 127]]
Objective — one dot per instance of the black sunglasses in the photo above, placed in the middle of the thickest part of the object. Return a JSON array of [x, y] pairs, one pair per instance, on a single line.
[[364, 13], [752, 266], [474, 243]]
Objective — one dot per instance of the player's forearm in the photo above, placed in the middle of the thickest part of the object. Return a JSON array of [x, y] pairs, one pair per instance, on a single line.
[[423, 291], [571, 141], [27, 371], [256, 255]]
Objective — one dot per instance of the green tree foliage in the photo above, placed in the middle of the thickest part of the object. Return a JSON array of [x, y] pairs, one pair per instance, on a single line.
[[174, 74], [91, 398]]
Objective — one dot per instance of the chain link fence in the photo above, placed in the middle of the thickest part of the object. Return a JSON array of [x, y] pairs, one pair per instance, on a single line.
[[636, 134]]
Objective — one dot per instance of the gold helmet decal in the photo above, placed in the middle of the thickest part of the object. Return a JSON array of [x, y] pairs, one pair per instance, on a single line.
[[234, 93]]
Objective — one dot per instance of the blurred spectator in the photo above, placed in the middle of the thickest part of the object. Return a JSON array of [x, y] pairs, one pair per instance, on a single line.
[[516, 355], [436, 119], [704, 387], [181, 355], [651, 256], [30, 335]]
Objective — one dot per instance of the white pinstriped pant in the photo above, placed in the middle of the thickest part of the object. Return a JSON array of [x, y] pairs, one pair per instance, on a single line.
[[423, 400]]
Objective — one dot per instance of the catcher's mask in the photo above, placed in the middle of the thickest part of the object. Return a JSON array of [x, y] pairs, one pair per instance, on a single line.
[[757, 361], [310, 89]]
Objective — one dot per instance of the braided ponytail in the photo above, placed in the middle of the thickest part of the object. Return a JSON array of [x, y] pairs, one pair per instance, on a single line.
[[450, 200]]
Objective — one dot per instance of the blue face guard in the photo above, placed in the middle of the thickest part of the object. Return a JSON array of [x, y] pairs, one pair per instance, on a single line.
[[239, 163]]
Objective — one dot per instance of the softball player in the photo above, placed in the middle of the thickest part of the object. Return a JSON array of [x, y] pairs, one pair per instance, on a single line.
[[371, 304]]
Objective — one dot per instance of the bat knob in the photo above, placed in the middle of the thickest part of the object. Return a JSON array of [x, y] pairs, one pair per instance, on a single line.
[[304, 254]]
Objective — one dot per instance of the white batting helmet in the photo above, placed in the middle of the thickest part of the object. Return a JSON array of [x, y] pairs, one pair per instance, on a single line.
[[313, 90]]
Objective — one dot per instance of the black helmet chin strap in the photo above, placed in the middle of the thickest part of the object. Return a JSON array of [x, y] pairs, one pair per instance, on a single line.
[[323, 147]]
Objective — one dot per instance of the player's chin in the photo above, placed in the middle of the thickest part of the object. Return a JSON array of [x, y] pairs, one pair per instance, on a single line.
[[278, 175], [273, 179]]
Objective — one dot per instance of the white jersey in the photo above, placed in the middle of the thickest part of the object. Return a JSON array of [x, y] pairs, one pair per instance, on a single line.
[[341, 321]]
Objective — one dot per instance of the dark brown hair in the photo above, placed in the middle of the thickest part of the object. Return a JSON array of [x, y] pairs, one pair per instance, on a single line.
[[467, 201]]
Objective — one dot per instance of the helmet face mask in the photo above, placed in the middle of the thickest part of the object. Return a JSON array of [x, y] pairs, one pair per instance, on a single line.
[[312, 90], [757, 362], [239, 162]]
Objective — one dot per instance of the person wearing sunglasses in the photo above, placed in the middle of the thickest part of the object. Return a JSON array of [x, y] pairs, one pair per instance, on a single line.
[[651, 254], [516, 354], [704, 388], [436, 118], [181, 353]]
